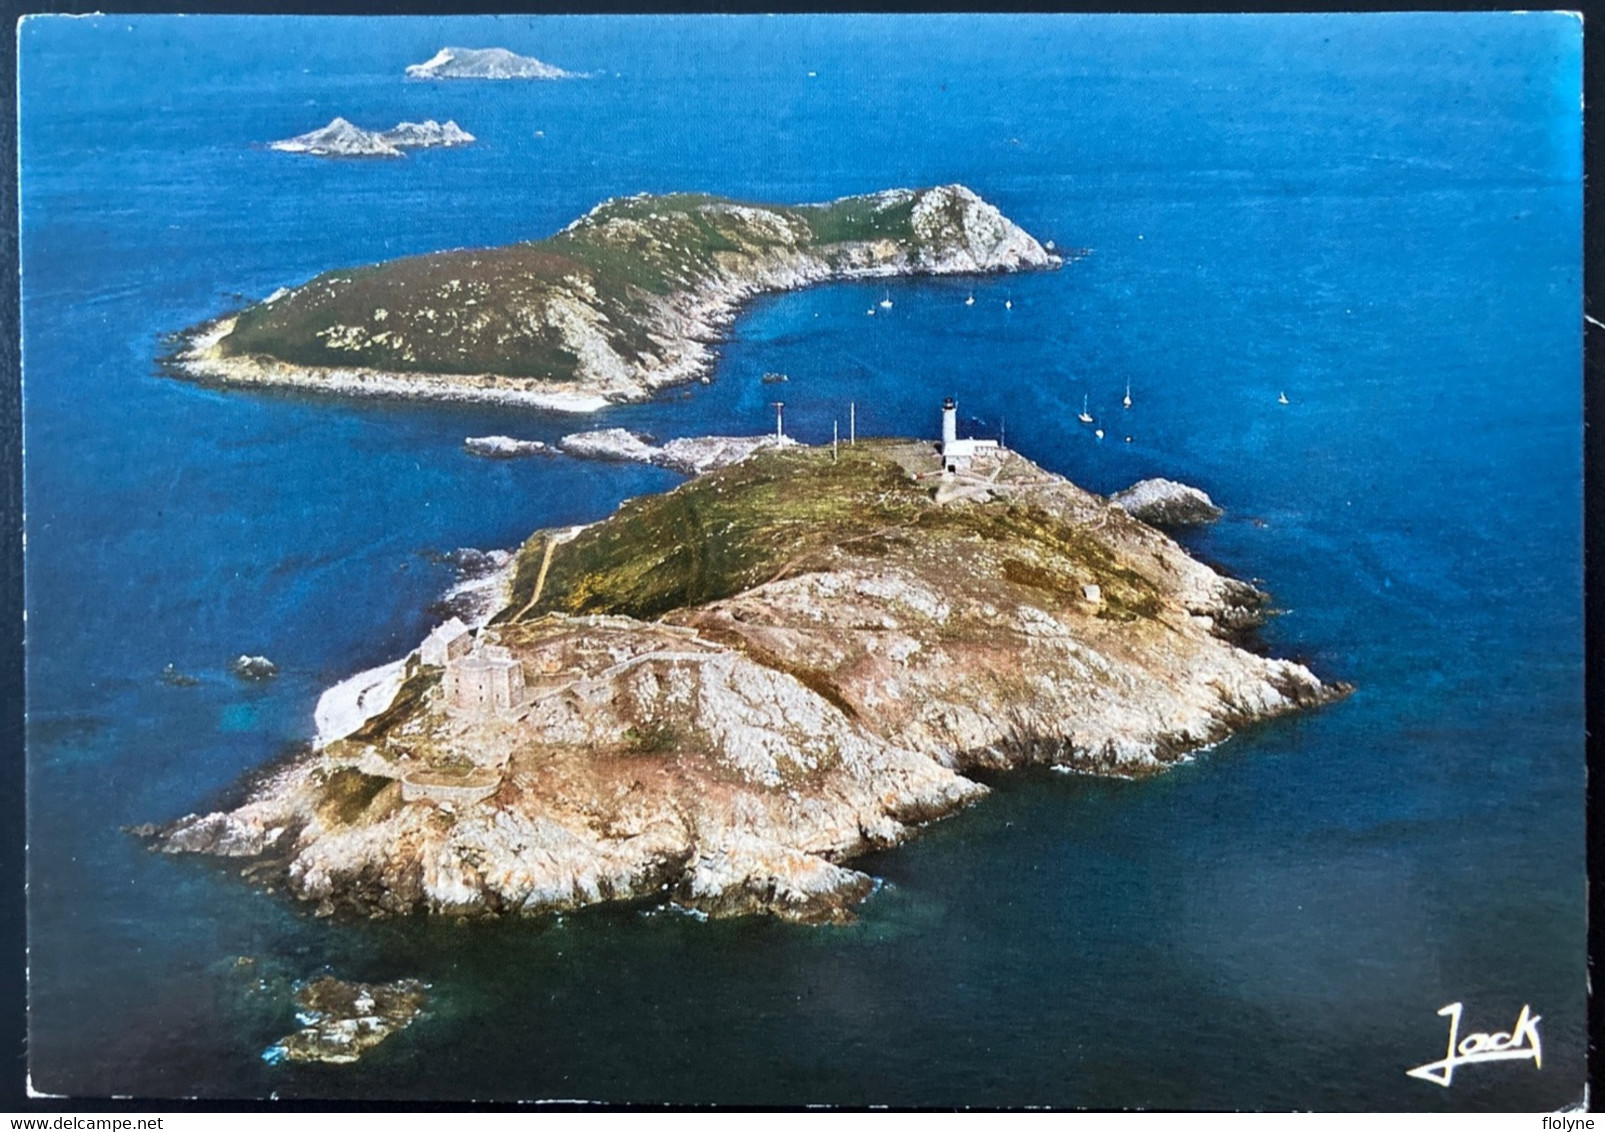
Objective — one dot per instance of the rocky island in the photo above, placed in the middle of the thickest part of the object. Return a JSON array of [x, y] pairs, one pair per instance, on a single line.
[[485, 63], [342, 139], [631, 297], [717, 697]]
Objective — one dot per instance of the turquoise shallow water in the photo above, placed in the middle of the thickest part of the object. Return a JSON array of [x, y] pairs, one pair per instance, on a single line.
[[1379, 216]]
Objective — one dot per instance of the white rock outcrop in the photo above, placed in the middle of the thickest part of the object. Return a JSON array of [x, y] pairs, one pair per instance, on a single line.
[[1166, 503], [504, 447], [422, 135], [341, 138], [689, 454], [484, 63]]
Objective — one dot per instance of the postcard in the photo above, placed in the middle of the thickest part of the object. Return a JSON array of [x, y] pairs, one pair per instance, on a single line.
[[830, 560]]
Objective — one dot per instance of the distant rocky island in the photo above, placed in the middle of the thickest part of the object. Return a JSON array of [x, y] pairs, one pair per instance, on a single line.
[[342, 139], [719, 696], [630, 298], [485, 63]]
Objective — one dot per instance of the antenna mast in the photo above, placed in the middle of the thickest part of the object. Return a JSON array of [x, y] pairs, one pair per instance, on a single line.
[[780, 432]]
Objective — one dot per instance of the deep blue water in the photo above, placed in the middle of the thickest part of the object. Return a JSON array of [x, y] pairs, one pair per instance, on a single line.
[[1378, 215]]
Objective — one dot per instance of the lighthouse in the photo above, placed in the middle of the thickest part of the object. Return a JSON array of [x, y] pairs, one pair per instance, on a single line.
[[956, 453]]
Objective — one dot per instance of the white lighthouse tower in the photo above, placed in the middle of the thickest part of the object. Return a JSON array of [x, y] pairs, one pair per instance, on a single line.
[[956, 453]]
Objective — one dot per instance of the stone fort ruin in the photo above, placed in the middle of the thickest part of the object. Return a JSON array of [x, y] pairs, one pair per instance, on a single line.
[[486, 681]]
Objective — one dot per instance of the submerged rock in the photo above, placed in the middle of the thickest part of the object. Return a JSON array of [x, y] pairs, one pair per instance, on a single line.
[[1166, 503], [343, 1020], [172, 676], [730, 690], [484, 63]]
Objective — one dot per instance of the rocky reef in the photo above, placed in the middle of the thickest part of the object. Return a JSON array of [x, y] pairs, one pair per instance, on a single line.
[[342, 139], [484, 63], [342, 1021], [631, 297], [719, 696]]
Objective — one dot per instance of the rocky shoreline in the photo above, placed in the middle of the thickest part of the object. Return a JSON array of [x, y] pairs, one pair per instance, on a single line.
[[725, 730], [629, 299], [692, 455]]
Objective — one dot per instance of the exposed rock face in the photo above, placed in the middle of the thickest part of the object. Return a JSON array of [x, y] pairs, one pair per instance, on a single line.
[[1166, 503], [484, 63], [609, 444], [342, 139], [338, 139], [345, 1020], [632, 297], [426, 134], [690, 454], [737, 687]]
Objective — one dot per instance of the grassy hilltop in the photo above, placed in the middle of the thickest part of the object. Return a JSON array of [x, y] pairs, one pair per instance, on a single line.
[[789, 511], [464, 311]]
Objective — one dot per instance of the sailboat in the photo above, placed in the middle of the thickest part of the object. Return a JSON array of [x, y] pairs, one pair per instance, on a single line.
[[1281, 399], [1008, 304], [1127, 401], [970, 302], [1084, 417], [886, 303]]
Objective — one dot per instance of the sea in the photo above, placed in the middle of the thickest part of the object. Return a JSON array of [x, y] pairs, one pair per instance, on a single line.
[[1376, 217]]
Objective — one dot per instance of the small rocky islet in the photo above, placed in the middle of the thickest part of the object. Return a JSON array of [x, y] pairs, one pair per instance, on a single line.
[[341, 138], [491, 63], [719, 696], [342, 1020]]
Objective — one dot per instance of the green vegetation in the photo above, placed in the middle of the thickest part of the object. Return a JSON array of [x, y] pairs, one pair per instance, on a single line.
[[859, 218], [408, 697], [780, 513], [719, 534], [653, 739], [347, 794], [490, 310]]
